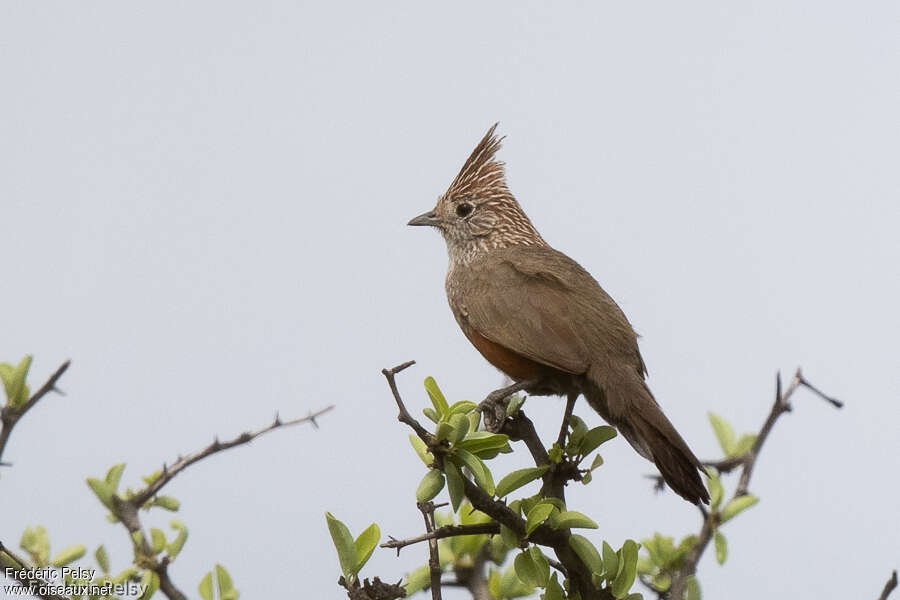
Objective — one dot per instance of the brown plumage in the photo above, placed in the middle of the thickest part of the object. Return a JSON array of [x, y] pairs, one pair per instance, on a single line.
[[535, 313]]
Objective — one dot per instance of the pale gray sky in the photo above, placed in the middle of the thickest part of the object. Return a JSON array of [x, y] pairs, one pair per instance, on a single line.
[[204, 207]]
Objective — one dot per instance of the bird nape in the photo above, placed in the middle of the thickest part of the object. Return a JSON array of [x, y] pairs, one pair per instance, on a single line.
[[536, 314]]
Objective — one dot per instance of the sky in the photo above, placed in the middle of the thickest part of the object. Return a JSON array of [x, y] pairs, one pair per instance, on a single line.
[[203, 205]]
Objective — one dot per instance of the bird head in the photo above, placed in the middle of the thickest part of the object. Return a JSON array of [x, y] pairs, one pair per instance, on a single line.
[[478, 212]]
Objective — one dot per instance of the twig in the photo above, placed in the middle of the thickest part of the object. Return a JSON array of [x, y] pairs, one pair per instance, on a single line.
[[9, 416], [404, 416], [169, 472], [577, 571], [434, 562], [21, 571], [889, 587], [747, 461], [444, 532], [126, 509], [564, 428]]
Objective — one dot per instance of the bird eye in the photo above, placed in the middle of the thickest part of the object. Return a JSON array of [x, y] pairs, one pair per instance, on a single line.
[[464, 209]]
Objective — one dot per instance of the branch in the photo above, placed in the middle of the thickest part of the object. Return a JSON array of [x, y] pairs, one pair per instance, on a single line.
[[434, 562], [21, 572], [444, 532], [494, 409], [889, 587], [9, 416], [126, 509], [168, 473], [747, 461]]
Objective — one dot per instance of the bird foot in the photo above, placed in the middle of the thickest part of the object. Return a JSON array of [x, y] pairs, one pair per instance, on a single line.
[[493, 407]]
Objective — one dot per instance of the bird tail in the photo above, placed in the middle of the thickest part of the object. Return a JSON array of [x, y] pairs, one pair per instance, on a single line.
[[634, 411]]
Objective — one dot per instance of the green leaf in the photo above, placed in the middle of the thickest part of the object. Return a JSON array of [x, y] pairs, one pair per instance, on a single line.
[[724, 433], [692, 592], [175, 546], [431, 414], [113, 475], [103, 490], [721, 548], [586, 478], [102, 559], [510, 586], [716, 491], [437, 397], [475, 420], [570, 519], [625, 579], [36, 542], [517, 479], [157, 540], [417, 580], [455, 485], [166, 502], [587, 553], [736, 506], [14, 382], [744, 444], [69, 555], [593, 438], [365, 544], [226, 586], [480, 472], [148, 479], [460, 424], [462, 407], [526, 570], [515, 403], [478, 442], [124, 575], [205, 587], [537, 515], [150, 581], [430, 486], [610, 561], [343, 543], [542, 564], [554, 591], [421, 449], [555, 453], [598, 460]]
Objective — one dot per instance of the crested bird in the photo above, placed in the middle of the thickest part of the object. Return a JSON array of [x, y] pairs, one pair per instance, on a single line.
[[539, 317]]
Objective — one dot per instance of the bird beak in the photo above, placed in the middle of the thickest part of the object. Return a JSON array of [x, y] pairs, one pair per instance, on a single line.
[[430, 218]]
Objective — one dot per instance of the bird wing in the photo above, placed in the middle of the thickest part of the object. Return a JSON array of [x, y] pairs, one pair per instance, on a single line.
[[526, 310]]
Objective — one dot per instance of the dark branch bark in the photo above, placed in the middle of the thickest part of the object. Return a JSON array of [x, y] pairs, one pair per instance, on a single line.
[[444, 532], [434, 561], [9, 416], [889, 587], [780, 406], [169, 472]]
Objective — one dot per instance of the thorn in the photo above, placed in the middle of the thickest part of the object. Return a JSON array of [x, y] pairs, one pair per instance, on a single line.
[[778, 386], [277, 419], [57, 390], [312, 420]]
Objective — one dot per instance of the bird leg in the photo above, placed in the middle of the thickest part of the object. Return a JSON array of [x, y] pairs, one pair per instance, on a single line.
[[493, 408], [564, 428]]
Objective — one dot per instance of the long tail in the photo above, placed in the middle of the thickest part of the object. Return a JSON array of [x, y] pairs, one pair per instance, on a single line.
[[630, 407]]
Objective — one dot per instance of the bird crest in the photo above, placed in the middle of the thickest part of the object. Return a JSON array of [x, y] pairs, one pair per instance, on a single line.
[[481, 175]]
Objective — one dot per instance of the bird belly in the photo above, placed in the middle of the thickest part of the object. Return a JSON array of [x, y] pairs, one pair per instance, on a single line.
[[515, 365]]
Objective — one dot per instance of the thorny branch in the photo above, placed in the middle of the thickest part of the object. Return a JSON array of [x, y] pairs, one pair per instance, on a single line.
[[9, 416], [126, 509], [434, 560], [183, 462], [518, 427], [21, 572], [747, 461], [889, 586]]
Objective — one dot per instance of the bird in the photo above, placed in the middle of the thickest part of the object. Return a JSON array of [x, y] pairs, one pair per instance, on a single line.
[[541, 318]]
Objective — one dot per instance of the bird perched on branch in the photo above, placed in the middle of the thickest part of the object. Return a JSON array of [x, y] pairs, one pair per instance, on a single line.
[[537, 315]]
